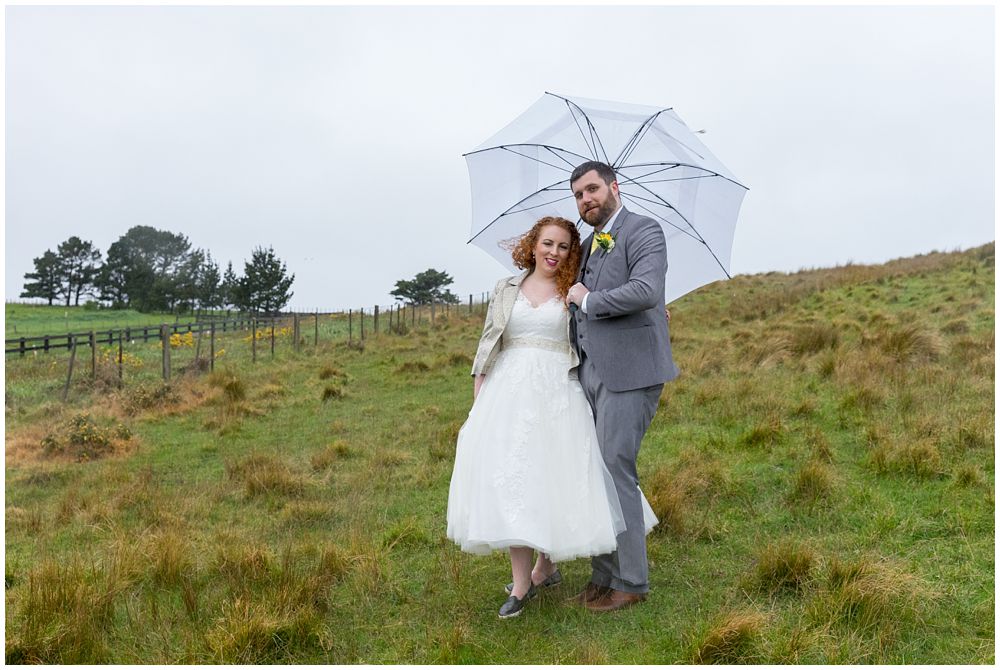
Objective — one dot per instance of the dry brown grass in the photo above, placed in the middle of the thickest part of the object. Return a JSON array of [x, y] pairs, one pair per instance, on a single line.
[[336, 451], [787, 565], [763, 434], [679, 492], [813, 482], [731, 639], [869, 595], [264, 474]]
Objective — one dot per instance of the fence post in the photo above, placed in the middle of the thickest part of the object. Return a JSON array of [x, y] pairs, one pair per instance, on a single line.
[[375, 329], [253, 339], [470, 304], [350, 326], [121, 356], [272, 337], [413, 315], [21, 347], [197, 348], [211, 347], [46, 344], [165, 340], [362, 324], [295, 332], [72, 359], [93, 355], [316, 334], [432, 312]]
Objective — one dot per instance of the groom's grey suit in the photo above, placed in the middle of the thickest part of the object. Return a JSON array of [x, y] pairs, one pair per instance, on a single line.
[[624, 346]]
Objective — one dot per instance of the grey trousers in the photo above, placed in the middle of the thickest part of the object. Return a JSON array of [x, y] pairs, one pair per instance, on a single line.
[[622, 420]]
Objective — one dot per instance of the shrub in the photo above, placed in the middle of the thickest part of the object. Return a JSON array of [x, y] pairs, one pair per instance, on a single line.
[[83, 439], [814, 338], [333, 393]]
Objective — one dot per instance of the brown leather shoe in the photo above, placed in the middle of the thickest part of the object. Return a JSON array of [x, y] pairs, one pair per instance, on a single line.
[[614, 600], [589, 594]]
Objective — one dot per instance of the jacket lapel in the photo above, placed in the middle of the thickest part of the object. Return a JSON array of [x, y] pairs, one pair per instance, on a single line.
[[509, 296], [600, 255]]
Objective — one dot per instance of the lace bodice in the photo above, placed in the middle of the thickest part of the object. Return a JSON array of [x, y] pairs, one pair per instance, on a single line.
[[545, 322]]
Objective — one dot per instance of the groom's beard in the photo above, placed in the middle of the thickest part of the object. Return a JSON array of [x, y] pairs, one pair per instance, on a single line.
[[599, 216]]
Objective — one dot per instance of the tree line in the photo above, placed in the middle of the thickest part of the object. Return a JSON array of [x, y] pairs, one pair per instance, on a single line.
[[152, 270]]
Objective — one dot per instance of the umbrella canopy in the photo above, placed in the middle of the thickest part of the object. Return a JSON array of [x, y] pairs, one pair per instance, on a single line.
[[664, 171]]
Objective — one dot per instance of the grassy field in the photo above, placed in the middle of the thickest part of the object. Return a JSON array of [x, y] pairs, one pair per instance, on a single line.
[[823, 471]]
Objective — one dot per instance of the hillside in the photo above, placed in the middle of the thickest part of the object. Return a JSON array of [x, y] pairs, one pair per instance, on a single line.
[[823, 471]]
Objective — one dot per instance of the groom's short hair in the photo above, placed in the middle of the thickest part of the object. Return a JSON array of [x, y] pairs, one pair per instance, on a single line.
[[604, 171]]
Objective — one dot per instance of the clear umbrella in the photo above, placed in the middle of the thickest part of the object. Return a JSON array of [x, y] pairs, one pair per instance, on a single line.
[[664, 171]]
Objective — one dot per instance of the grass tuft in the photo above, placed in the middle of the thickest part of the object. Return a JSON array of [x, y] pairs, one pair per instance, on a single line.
[[731, 639], [784, 566], [813, 482], [263, 474]]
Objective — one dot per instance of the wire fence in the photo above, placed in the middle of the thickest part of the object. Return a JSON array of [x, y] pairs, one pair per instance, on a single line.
[[117, 356]]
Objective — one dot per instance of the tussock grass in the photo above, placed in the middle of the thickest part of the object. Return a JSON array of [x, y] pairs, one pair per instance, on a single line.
[[787, 565], [263, 474], [731, 639], [763, 434], [410, 367], [355, 569], [390, 458], [243, 565], [679, 492], [65, 612], [336, 451], [814, 481], [328, 371], [333, 393], [907, 342], [442, 447], [819, 445], [813, 338], [171, 558], [871, 596], [909, 456]]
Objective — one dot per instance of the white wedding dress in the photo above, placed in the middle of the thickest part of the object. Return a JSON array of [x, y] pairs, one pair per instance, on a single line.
[[528, 469]]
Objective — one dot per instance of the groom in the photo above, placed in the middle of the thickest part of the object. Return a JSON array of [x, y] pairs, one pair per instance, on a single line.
[[622, 339]]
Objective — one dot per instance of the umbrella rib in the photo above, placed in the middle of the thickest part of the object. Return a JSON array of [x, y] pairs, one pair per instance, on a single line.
[[712, 173], [635, 198], [636, 138], [526, 144], [537, 160], [541, 204], [595, 139], [508, 210], [699, 236]]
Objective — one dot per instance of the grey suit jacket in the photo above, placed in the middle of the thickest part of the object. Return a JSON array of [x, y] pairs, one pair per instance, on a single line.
[[497, 316], [624, 331]]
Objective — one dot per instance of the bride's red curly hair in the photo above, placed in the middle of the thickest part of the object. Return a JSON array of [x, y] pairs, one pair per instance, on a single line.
[[523, 252]]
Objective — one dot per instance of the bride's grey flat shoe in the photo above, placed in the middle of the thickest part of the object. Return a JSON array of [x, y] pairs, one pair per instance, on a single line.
[[552, 580]]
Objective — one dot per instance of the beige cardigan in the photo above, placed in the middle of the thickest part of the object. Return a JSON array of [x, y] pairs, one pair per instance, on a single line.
[[497, 314]]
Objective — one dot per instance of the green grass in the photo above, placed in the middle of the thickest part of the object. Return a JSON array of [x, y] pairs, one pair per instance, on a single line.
[[824, 469]]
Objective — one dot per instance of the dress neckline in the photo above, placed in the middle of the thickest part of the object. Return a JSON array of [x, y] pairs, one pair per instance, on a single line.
[[522, 296]]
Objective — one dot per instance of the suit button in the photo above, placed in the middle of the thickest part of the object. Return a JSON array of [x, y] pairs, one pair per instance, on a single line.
[[588, 270]]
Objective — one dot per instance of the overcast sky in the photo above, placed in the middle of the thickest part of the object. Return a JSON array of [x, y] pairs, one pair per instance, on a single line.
[[336, 134]]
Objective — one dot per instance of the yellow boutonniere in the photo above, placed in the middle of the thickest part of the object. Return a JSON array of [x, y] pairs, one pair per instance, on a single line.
[[605, 241]]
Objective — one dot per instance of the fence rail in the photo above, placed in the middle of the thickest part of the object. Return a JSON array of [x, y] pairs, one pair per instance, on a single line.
[[111, 336]]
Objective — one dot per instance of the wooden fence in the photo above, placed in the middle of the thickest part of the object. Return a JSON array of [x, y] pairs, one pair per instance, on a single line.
[[360, 324]]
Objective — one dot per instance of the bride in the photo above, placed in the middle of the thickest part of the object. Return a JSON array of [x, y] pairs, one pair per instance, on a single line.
[[528, 472]]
